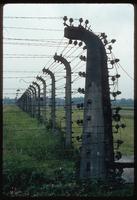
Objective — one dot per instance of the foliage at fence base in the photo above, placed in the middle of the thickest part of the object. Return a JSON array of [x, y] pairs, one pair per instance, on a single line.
[[23, 176], [63, 184], [35, 163]]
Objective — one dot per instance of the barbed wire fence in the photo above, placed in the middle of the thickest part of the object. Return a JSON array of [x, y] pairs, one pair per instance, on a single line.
[[53, 103]]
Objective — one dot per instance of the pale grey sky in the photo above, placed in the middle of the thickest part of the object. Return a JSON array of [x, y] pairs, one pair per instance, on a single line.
[[116, 20]]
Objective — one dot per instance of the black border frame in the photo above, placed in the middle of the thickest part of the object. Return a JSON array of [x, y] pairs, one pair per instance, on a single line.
[[135, 79]]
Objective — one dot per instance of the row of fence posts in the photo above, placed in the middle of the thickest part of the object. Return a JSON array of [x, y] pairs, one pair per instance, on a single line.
[[31, 100], [97, 152]]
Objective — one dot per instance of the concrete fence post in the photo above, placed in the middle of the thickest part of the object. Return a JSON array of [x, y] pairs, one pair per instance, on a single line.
[[53, 117], [44, 95], [32, 101], [32, 88], [38, 98], [68, 100], [97, 140]]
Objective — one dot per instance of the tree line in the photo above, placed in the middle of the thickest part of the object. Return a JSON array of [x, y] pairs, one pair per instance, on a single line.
[[75, 100]]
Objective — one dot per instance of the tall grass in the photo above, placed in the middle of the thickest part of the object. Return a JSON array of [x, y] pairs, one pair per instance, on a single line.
[[29, 148], [35, 162]]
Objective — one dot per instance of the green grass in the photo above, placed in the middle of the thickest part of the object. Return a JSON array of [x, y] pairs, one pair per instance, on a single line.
[[35, 162], [127, 134], [29, 146]]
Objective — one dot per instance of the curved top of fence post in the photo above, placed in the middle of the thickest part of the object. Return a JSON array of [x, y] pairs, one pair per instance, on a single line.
[[49, 72], [36, 84], [41, 79], [64, 61]]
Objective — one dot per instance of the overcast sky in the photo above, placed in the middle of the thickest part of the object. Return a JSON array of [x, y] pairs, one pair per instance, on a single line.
[[31, 54]]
